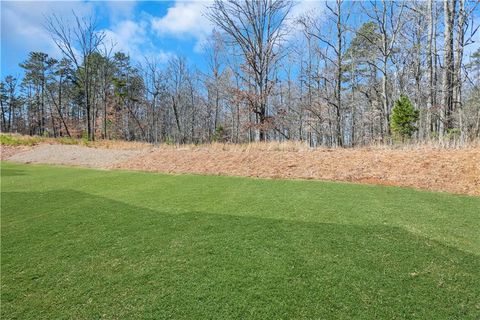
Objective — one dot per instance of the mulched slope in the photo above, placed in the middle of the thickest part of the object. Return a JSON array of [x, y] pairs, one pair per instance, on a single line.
[[456, 171], [449, 170]]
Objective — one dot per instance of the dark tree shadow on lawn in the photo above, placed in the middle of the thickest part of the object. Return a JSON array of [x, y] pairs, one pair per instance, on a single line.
[[5, 172], [75, 255]]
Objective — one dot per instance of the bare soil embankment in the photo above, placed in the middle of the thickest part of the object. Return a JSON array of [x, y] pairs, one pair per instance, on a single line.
[[7, 152], [449, 170], [72, 155]]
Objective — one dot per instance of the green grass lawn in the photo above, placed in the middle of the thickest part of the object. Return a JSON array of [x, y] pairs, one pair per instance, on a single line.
[[87, 244]]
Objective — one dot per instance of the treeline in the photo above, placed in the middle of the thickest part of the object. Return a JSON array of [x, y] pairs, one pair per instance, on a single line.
[[329, 79]]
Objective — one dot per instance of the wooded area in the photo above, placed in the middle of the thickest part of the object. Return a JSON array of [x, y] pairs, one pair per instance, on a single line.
[[331, 79]]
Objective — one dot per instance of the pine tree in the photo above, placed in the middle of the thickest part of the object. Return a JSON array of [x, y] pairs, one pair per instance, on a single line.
[[403, 118]]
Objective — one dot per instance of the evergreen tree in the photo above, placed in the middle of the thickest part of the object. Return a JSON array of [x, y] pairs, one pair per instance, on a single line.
[[403, 118], [37, 67]]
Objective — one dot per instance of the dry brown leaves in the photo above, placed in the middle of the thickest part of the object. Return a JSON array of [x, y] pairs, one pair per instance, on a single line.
[[423, 167], [450, 170]]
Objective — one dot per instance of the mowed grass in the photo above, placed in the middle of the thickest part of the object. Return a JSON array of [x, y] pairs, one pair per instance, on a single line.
[[88, 244]]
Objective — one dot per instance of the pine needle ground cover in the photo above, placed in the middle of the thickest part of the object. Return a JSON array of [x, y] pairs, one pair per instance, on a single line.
[[87, 244]]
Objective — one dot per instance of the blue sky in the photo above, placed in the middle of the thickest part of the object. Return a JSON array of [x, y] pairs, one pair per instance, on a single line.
[[156, 29]]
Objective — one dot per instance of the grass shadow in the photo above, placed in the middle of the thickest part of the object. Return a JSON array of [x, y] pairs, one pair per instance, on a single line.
[[70, 254], [7, 172]]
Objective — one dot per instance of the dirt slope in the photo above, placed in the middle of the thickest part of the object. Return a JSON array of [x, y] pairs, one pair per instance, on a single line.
[[449, 170], [455, 171], [74, 155], [9, 151]]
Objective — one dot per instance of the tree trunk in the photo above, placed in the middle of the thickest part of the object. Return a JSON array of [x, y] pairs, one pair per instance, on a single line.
[[10, 111], [386, 113], [87, 101], [177, 120], [104, 114], [60, 107], [261, 134], [42, 110], [192, 128], [4, 119], [457, 100], [430, 58], [448, 68], [339, 75]]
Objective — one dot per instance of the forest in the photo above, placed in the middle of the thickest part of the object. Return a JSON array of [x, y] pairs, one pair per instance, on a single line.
[[355, 74]]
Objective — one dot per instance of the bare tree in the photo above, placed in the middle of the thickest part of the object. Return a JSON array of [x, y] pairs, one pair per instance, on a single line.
[[449, 7], [389, 18], [178, 79], [431, 62], [314, 28], [462, 40], [332, 84], [78, 41], [213, 80], [155, 87], [257, 28]]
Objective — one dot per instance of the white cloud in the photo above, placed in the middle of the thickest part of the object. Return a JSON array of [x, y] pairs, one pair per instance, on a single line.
[[307, 7], [23, 24], [187, 19], [22, 29], [301, 8], [127, 36], [158, 56], [119, 10], [133, 39], [184, 19]]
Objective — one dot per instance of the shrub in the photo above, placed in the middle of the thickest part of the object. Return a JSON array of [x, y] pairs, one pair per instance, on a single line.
[[15, 140], [453, 134], [219, 134], [169, 141], [67, 140]]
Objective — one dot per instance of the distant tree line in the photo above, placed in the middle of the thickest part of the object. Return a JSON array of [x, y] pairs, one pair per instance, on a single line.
[[331, 79]]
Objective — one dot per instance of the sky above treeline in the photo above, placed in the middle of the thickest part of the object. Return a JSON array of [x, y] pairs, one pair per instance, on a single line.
[[154, 29]]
